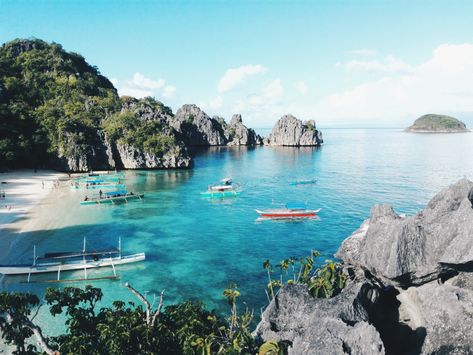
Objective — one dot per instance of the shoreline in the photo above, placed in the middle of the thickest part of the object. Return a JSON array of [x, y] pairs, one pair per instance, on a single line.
[[23, 190]]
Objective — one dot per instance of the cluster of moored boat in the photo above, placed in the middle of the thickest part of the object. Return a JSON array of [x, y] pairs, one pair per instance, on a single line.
[[111, 189], [110, 186], [289, 211]]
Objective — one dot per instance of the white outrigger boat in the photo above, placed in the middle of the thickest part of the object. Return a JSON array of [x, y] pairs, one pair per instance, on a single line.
[[225, 188], [73, 261]]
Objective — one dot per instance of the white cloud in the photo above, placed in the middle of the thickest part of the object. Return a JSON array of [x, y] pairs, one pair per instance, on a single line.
[[114, 81], [139, 81], [389, 64], [140, 86], [444, 83], [366, 52], [213, 104], [271, 93], [301, 87], [169, 91], [235, 76]]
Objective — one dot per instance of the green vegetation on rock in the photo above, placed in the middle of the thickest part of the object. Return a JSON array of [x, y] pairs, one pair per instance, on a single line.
[[49, 100], [128, 128], [437, 123], [324, 282]]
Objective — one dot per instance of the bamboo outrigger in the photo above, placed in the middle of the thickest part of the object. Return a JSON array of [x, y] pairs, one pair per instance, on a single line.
[[112, 197], [226, 188], [73, 261]]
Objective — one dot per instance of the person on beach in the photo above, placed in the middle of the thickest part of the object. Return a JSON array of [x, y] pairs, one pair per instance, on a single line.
[[43, 184], [100, 193]]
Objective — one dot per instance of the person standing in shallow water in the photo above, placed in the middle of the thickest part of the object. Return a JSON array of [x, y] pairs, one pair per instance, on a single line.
[[100, 193]]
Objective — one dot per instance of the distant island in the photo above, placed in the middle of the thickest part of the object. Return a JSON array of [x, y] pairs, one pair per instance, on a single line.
[[433, 123]]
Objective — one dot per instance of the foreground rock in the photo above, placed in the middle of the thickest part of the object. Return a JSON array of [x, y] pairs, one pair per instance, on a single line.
[[432, 123], [410, 289], [413, 250], [443, 312], [292, 132], [321, 326]]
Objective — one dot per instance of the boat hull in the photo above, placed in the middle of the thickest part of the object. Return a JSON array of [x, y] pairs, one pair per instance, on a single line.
[[219, 194], [287, 214], [70, 266], [112, 200]]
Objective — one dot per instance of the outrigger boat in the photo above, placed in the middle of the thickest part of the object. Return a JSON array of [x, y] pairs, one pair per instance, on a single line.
[[96, 184], [112, 197], [103, 177], [303, 182], [225, 188], [70, 261], [294, 210]]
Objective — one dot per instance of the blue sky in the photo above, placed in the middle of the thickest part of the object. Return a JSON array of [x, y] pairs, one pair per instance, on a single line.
[[342, 63]]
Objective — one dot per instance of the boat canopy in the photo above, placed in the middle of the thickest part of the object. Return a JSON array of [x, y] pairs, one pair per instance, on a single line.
[[75, 254], [116, 193], [296, 205], [93, 181], [226, 181]]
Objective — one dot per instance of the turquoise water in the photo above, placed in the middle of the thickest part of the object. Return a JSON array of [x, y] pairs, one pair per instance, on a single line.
[[196, 247]]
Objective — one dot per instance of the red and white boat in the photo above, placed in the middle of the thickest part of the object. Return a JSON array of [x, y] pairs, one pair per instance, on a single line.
[[290, 211]]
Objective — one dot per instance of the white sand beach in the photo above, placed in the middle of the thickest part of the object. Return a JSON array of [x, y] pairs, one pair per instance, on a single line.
[[21, 190]]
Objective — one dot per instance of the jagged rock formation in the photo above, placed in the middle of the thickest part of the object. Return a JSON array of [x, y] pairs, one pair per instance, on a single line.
[[410, 281], [198, 129], [238, 134], [133, 158], [433, 123], [290, 131]]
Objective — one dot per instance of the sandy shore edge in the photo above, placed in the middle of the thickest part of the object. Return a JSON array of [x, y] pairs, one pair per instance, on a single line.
[[22, 190]]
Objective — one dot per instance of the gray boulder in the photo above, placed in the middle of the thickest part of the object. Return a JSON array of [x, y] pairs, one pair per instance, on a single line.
[[197, 128], [321, 326], [239, 134], [418, 249], [290, 131], [444, 312]]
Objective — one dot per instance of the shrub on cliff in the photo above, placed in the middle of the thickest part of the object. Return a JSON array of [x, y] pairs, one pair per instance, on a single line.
[[323, 282], [150, 135]]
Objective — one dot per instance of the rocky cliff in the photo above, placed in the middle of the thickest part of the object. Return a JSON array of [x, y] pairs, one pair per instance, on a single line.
[[290, 131], [410, 289], [145, 139]]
